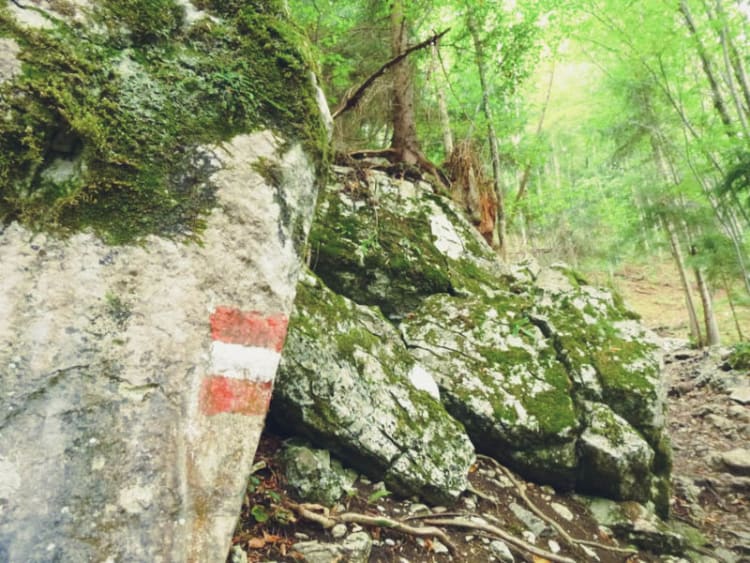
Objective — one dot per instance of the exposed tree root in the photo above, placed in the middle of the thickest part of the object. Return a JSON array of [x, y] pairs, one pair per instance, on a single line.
[[327, 520], [501, 534], [521, 490]]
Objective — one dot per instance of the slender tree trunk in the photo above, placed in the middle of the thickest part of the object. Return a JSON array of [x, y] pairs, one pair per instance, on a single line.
[[718, 99], [709, 318], [404, 141], [445, 122], [527, 170], [720, 24], [500, 224], [730, 300], [674, 244]]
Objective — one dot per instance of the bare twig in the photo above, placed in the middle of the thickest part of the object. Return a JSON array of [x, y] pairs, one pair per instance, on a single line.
[[353, 99]]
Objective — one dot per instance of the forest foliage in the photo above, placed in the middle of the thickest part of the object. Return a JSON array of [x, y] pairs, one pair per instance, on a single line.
[[600, 130]]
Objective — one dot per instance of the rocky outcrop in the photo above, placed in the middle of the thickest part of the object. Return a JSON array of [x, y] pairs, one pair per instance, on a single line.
[[153, 206], [546, 373], [348, 383]]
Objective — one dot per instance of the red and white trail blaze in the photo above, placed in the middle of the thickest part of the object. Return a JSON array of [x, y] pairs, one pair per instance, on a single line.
[[245, 354]]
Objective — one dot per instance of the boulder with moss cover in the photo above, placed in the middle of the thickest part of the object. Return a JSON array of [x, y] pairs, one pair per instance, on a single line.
[[158, 164], [546, 373], [347, 383]]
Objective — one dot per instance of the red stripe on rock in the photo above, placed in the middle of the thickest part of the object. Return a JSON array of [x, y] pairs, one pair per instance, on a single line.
[[234, 396], [250, 328]]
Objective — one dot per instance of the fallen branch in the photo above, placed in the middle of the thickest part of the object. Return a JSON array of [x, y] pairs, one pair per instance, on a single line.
[[500, 533], [327, 520], [352, 100]]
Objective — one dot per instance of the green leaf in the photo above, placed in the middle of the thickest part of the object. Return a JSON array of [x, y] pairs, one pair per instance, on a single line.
[[377, 495], [259, 513]]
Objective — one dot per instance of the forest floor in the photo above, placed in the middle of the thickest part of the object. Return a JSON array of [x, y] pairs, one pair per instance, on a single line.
[[704, 424]]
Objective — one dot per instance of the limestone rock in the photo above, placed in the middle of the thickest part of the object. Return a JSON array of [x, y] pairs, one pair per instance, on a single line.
[[344, 385], [517, 352], [135, 377], [634, 524], [313, 475], [737, 461], [354, 549], [615, 459]]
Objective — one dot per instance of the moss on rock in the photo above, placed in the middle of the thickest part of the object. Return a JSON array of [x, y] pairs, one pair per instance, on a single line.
[[104, 128]]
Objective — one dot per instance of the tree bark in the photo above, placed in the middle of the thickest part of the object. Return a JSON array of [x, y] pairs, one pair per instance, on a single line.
[[709, 318], [718, 99], [404, 141], [500, 224], [445, 122], [674, 244]]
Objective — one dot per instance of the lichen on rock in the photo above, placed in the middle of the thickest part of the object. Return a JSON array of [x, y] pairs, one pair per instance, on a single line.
[[344, 384], [546, 373]]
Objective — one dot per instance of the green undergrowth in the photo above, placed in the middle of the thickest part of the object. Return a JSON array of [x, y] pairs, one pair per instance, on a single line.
[[104, 126]]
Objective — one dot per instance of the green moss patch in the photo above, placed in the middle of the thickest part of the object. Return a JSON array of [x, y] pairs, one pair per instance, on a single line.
[[103, 127]]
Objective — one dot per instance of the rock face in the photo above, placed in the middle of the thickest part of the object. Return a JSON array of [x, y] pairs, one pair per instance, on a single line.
[[546, 373], [135, 378], [344, 383]]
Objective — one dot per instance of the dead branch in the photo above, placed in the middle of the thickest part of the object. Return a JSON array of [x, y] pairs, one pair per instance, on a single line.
[[351, 100], [500, 533]]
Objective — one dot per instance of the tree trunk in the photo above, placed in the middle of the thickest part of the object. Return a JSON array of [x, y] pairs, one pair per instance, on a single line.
[[709, 318], [500, 225], [445, 122], [721, 25], [404, 141], [718, 100], [674, 243], [730, 300]]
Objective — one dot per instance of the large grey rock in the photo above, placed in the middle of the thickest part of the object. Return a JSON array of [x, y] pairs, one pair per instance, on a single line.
[[344, 385], [152, 216], [533, 361], [125, 429]]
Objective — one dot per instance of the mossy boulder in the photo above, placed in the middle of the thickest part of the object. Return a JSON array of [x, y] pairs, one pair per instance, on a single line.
[[108, 107], [547, 373], [344, 384]]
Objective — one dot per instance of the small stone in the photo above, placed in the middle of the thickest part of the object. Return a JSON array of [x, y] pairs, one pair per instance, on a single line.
[[737, 461], [590, 553], [501, 551], [562, 511], [417, 508], [439, 509], [554, 547], [719, 422], [438, 547], [389, 542], [528, 536], [339, 531], [301, 536], [468, 538], [741, 395], [237, 555], [739, 412], [471, 503]]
